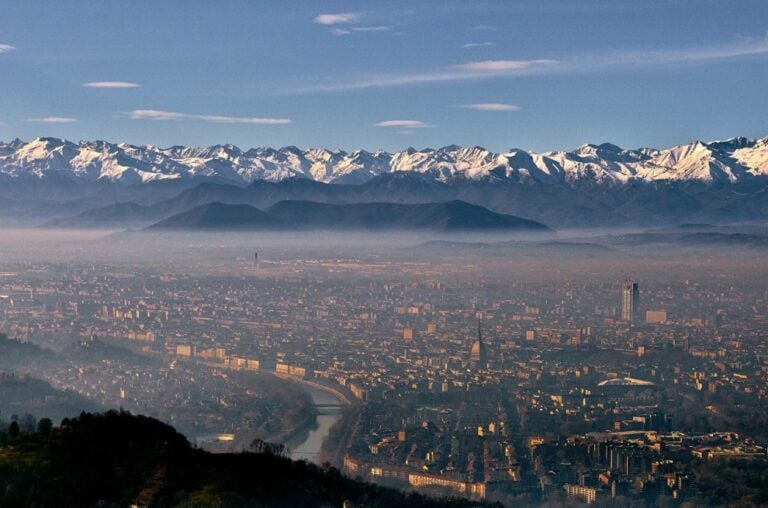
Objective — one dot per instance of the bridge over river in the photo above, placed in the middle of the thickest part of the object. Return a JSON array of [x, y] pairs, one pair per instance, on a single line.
[[307, 445]]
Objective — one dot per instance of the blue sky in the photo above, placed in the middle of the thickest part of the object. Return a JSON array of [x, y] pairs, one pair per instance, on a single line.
[[538, 75]]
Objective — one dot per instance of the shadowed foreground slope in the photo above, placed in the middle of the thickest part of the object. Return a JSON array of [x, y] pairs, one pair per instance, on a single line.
[[116, 459]]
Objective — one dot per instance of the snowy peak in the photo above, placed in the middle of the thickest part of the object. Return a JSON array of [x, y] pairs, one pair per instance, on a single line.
[[729, 161], [697, 161]]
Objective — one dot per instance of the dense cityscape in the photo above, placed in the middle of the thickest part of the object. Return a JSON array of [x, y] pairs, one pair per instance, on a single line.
[[507, 379]]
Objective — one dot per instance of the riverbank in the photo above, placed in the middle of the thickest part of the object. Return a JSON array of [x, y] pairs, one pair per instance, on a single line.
[[335, 445], [308, 442], [336, 391], [307, 434]]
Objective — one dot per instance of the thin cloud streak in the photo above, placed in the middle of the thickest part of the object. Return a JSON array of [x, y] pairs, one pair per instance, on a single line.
[[155, 114], [403, 124], [676, 56], [455, 73], [7, 48], [491, 106], [381, 28], [481, 28], [111, 84], [243, 120], [347, 30], [340, 18], [489, 69], [497, 66], [53, 119], [473, 45], [166, 116]]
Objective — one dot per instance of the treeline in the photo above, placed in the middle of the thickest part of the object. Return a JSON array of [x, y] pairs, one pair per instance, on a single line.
[[733, 483]]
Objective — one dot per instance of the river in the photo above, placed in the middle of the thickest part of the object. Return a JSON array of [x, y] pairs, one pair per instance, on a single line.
[[307, 445]]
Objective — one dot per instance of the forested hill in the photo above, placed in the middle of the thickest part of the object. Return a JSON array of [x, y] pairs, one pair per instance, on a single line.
[[116, 459]]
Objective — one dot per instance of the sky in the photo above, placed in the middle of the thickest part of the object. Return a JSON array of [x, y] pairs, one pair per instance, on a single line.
[[538, 75]]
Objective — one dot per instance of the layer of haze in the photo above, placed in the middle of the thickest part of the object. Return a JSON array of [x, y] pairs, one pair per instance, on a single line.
[[570, 255]]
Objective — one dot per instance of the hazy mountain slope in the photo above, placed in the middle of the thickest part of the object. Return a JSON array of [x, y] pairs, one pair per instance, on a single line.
[[25, 394], [220, 216], [451, 216], [124, 214]]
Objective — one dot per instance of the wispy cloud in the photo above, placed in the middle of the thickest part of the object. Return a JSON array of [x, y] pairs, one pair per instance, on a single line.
[[491, 106], [165, 116], [675, 56], [244, 120], [346, 23], [473, 45], [53, 119], [347, 30], [340, 18], [111, 84], [155, 114], [7, 48], [463, 72], [403, 124], [481, 28], [497, 66], [490, 69], [381, 28]]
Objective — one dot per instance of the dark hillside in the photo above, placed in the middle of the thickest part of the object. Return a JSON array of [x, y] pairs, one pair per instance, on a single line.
[[116, 459]]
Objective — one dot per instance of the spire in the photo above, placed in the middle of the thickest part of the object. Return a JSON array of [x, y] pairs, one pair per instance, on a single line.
[[479, 355], [479, 329]]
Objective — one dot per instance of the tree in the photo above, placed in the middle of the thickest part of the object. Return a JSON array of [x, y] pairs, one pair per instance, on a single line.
[[263, 447], [44, 426], [13, 429], [27, 423]]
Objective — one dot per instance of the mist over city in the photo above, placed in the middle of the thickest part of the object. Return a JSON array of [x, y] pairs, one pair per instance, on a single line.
[[362, 350], [465, 254]]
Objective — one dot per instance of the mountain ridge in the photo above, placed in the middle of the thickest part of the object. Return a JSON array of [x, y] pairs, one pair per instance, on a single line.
[[100, 184], [730, 161]]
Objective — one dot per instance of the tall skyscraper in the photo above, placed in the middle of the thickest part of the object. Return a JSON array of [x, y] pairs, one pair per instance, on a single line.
[[630, 301]]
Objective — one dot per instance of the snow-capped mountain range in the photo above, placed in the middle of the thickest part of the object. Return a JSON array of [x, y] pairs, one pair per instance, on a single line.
[[732, 161]]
